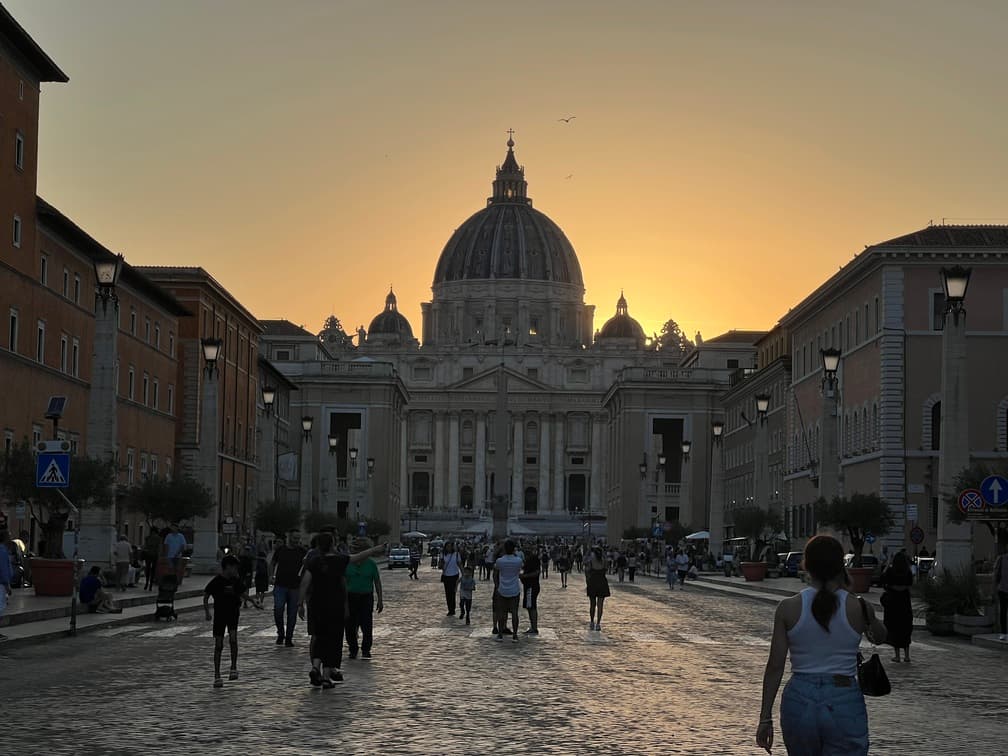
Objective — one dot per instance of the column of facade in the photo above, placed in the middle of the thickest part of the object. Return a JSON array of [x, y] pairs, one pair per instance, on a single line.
[[559, 503], [205, 538], [545, 500], [404, 487], [453, 461], [518, 465], [479, 487], [440, 501], [98, 524], [595, 491]]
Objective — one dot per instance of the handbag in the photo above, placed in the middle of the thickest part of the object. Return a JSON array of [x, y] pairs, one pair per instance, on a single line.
[[871, 674]]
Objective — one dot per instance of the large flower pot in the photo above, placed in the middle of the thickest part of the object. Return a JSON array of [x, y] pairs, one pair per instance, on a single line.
[[52, 577], [939, 624], [860, 579], [753, 571], [966, 624]]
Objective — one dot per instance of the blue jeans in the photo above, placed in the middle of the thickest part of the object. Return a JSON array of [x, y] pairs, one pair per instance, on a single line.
[[820, 718], [285, 597]]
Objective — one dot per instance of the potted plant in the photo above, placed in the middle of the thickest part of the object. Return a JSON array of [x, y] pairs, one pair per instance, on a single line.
[[969, 618], [857, 516], [940, 595], [756, 524]]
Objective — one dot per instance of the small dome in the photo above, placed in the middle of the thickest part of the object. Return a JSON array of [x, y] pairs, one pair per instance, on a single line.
[[391, 322], [621, 325]]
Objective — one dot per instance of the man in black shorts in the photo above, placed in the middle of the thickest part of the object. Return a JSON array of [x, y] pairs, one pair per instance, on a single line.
[[228, 592]]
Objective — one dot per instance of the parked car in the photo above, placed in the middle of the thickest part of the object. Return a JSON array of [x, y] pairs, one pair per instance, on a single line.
[[789, 563], [867, 560], [398, 557]]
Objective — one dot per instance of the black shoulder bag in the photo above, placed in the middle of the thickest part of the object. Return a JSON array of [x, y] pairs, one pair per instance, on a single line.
[[871, 674]]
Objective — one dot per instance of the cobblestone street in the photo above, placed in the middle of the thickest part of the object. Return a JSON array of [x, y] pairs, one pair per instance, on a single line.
[[669, 673]]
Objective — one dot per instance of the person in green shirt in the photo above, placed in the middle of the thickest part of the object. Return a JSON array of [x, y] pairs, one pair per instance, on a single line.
[[364, 586]]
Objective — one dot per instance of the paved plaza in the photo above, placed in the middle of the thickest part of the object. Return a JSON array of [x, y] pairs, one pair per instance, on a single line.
[[675, 673]]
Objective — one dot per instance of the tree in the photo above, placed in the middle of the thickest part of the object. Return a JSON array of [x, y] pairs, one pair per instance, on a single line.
[[277, 517], [672, 339], [857, 516], [758, 525], [91, 485], [166, 501], [972, 477]]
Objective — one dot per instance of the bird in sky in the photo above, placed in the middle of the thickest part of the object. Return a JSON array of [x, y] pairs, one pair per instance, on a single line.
[[570, 175], [568, 119]]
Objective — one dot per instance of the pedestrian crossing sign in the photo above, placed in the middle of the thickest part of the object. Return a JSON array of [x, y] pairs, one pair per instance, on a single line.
[[52, 470]]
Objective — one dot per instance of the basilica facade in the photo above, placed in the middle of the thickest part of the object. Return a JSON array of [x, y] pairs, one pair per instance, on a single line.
[[509, 391]]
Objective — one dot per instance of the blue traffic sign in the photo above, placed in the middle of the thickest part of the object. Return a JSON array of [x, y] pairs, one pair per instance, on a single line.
[[995, 490], [52, 470], [869, 538]]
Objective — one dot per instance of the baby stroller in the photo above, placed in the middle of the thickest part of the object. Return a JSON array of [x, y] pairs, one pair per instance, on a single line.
[[164, 604]]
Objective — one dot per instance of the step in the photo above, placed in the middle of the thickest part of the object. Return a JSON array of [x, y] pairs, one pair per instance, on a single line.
[[126, 602], [990, 641]]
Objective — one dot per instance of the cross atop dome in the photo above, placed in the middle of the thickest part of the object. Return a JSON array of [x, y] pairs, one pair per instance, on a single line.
[[510, 185]]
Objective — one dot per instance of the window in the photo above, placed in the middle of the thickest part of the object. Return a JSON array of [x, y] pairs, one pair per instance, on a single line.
[[146, 389], [36, 435], [63, 354], [75, 359], [129, 466], [937, 310], [147, 330], [12, 330], [936, 426], [40, 342], [153, 466], [157, 337], [143, 466], [171, 399], [732, 364], [76, 289], [44, 270], [132, 322], [533, 373], [878, 316], [66, 283], [171, 344], [857, 325], [132, 381], [282, 355], [467, 372], [167, 468], [8, 441], [19, 151], [534, 327], [155, 402], [21, 89], [17, 231]]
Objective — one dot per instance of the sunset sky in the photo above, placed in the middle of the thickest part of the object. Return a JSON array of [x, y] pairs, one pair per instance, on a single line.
[[726, 157]]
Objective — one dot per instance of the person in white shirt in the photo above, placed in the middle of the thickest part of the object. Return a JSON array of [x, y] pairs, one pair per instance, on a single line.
[[507, 568], [451, 571], [682, 567], [122, 553]]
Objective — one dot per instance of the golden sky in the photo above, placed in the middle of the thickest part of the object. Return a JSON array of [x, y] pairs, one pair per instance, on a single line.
[[726, 157]]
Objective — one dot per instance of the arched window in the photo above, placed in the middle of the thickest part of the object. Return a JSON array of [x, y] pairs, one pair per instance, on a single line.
[[936, 426], [865, 432], [875, 426]]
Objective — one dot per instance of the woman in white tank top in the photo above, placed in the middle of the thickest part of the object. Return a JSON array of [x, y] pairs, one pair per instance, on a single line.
[[822, 708]]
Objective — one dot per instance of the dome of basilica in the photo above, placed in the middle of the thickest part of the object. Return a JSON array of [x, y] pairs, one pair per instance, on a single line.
[[508, 239], [621, 325], [391, 322]]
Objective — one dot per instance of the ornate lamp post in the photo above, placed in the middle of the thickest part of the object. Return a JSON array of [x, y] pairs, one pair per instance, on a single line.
[[761, 471], [305, 490], [829, 457], [206, 538], [715, 505], [269, 444], [955, 542]]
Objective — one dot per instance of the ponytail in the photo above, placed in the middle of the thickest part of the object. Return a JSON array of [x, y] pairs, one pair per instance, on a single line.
[[824, 606]]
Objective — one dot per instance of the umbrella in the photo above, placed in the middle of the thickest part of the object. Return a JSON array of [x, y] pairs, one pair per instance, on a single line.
[[702, 535], [414, 534]]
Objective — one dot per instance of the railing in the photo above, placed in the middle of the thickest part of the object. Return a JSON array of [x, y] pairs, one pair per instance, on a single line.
[[664, 489]]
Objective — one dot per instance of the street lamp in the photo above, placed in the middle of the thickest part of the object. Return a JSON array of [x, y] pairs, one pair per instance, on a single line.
[[353, 457], [211, 352], [107, 276], [370, 467], [642, 467], [268, 397], [686, 447], [830, 362], [762, 405], [333, 444], [306, 425], [955, 281], [717, 428]]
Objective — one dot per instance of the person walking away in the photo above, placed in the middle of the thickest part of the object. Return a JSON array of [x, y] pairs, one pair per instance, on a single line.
[[1001, 587], [228, 593], [531, 570], [682, 567], [414, 561], [670, 569], [6, 574], [287, 562], [578, 558], [631, 565], [898, 614], [364, 595], [121, 552], [466, 587], [323, 591], [153, 544], [246, 569], [488, 562], [562, 565], [507, 569], [822, 708], [621, 565], [260, 576], [544, 560], [596, 586], [451, 570]]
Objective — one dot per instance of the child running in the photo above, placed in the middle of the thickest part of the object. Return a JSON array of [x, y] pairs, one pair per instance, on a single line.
[[229, 592], [466, 588]]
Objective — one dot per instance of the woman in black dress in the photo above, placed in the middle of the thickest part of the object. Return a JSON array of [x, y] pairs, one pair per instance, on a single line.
[[897, 580], [596, 586]]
